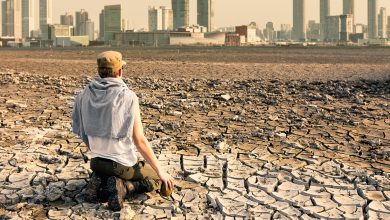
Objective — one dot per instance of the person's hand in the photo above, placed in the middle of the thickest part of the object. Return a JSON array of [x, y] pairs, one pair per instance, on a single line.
[[167, 180]]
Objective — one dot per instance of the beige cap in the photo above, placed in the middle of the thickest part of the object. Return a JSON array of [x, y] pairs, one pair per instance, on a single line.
[[110, 59]]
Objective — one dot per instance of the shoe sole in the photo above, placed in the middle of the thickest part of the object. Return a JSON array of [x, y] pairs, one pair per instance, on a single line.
[[114, 202]]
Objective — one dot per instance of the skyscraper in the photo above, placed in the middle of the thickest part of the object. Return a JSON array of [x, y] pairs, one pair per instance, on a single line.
[[2, 17], [160, 19], [338, 28], [101, 25], [349, 8], [167, 19], [112, 21], [372, 19], [88, 28], [269, 31], [67, 19], [181, 13], [28, 17], [12, 20], [81, 19], [45, 17], [299, 20], [206, 14], [155, 19], [388, 26], [324, 12], [382, 23]]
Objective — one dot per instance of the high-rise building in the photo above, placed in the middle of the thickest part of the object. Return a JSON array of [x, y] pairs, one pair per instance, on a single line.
[[372, 19], [67, 19], [181, 13], [45, 17], [2, 17], [299, 20], [28, 17], [101, 25], [155, 19], [81, 19], [167, 19], [324, 12], [388, 26], [346, 27], [112, 21], [349, 8], [269, 31], [206, 14], [338, 28], [382, 23], [88, 28], [13, 18], [160, 19]]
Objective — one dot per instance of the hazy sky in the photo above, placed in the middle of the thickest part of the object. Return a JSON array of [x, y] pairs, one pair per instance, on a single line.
[[227, 12]]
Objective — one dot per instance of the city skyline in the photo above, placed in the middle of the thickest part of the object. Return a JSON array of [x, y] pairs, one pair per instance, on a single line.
[[137, 13]]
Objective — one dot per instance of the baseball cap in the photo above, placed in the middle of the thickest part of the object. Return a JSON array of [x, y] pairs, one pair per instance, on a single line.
[[110, 59]]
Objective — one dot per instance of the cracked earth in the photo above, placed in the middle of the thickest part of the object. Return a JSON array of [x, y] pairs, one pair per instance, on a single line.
[[239, 148]]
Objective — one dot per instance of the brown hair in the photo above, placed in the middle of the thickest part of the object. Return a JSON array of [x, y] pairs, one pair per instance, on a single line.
[[105, 72]]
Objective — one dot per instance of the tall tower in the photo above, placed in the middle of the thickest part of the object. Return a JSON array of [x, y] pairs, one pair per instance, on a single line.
[[2, 17], [89, 29], [155, 19], [160, 19], [45, 17], [349, 8], [28, 17], [112, 21], [101, 25], [324, 12], [299, 20], [81, 20], [181, 13], [167, 19], [206, 14], [12, 20], [388, 26], [372, 19], [382, 23], [67, 19]]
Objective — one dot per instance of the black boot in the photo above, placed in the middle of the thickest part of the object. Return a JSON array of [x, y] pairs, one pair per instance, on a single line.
[[103, 190], [117, 192], [91, 191]]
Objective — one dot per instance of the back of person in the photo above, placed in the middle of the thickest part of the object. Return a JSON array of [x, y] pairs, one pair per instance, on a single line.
[[106, 116]]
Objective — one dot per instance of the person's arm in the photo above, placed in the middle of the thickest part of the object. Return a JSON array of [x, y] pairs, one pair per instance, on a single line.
[[146, 151]]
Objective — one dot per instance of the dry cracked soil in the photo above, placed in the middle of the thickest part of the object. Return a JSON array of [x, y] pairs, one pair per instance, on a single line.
[[248, 133]]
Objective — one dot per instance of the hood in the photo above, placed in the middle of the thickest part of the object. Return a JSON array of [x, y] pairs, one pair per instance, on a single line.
[[106, 83], [102, 88]]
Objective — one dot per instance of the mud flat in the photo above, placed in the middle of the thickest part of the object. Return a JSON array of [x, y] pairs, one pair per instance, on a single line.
[[248, 133]]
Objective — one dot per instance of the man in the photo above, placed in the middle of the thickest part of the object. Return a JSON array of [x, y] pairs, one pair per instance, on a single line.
[[106, 115]]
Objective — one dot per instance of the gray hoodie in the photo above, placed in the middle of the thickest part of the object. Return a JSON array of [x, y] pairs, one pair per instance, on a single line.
[[105, 108]]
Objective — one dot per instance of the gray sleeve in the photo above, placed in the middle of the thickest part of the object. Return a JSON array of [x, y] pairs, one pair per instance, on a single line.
[[77, 122]]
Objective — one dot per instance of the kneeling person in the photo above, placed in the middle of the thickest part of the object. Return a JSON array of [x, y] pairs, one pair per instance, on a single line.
[[106, 115]]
